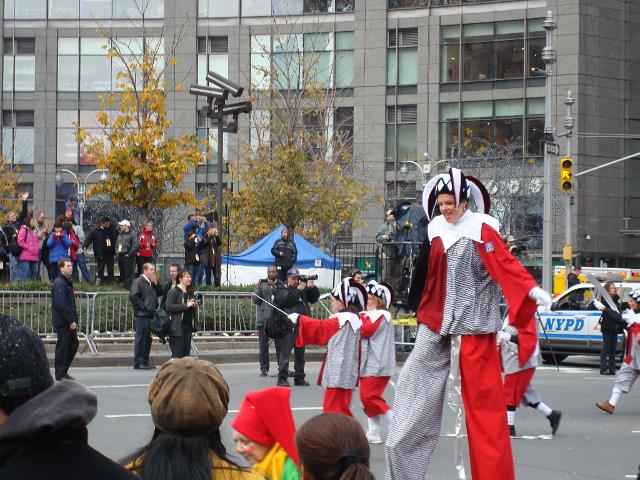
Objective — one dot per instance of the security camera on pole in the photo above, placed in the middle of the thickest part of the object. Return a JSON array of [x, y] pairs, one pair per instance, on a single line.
[[549, 56], [218, 111]]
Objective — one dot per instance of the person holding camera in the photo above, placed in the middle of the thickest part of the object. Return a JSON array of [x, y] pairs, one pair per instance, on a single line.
[[387, 236], [103, 241], [182, 307], [58, 243], [127, 247], [285, 252], [212, 256], [294, 297], [144, 294], [265, 289]]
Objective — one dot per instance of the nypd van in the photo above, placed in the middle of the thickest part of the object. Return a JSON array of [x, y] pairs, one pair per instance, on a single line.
[[573, 325]]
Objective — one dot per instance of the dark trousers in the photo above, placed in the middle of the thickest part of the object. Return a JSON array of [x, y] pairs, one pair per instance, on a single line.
[[282, 272], [101, 263], [53, 271], [285, 345], [66, 348], [263, 350], [209, 273], [181, 346], [142, 347], [140, 261], [126, 265], [608, 353]]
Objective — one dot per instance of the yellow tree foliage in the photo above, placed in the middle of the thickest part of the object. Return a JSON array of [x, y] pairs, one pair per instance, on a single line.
[[146, 167], [299, 169], [8, 196]]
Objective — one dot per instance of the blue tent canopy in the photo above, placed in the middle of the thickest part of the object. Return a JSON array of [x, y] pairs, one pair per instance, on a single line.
[[259, 254]]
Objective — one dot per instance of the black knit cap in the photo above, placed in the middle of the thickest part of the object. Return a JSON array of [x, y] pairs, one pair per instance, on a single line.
[[24, 370]]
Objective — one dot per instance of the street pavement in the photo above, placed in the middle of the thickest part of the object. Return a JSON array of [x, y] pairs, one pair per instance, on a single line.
[[589, 445]]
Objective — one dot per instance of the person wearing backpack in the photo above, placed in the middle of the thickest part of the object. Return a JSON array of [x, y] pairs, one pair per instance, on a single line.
[[29, 243], [11, 232]]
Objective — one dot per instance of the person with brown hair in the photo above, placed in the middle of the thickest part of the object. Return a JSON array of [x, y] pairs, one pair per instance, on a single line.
[[333, 446], [189, 399]]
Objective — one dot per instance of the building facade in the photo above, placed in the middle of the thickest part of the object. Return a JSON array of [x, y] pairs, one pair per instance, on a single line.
[[421, 80]]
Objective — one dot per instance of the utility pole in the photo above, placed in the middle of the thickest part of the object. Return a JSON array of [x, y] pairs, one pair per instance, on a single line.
[[569, 123], [549, 56]]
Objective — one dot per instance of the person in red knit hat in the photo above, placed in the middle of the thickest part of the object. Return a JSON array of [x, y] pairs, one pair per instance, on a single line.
[[264, 432], [341, 334]]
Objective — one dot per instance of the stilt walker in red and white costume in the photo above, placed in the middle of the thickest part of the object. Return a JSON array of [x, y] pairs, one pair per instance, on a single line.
[[341, 334], [378, 357], [459, 315]]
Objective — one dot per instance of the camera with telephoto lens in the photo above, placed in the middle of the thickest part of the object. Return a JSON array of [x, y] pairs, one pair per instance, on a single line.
[[198, 298], [306, 278], [263, 280]]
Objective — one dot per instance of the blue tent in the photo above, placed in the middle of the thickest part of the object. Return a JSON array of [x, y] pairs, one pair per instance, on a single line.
[[259, 254]]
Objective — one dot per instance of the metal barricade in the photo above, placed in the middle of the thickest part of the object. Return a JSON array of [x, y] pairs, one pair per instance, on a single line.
[[33, 309], [361, 256]]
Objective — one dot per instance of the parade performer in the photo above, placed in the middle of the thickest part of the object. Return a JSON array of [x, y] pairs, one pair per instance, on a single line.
[[264, 434], [630, 368], [341, 334], [517, 380], [378, 356], [458, 315]]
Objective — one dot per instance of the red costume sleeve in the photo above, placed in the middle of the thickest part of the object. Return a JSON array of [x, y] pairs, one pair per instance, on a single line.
[[516, 283], [312, 331], [369, 328]]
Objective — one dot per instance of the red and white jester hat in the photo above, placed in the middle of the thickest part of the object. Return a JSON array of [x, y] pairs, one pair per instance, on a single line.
[[461, 186]]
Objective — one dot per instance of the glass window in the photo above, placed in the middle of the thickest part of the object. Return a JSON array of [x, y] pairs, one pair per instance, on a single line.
[[256, 8], [317, 58], [513, 29], [286, 7], [536, 65], [391, 4], [286, 70], [402, 133], [535, 133], [218, 8], [402, 57], [508, 131], [535, 106], [478, 61], [66, 9], [18, 135], [95, 9], [219, 63], [67, 146], [477, 31], [19, 64], [450, 53], [68, 64], [510, 59], [25, 9], [509, 108], [134, 8], [328, 6], [344, 59], [95, 73], [260, 67]]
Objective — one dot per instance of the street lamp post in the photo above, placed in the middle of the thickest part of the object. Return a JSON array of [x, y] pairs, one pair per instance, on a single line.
[[549, 56], [81, 185], [425, 170]]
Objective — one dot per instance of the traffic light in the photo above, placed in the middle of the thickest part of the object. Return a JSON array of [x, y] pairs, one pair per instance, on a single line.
[[566, 177]]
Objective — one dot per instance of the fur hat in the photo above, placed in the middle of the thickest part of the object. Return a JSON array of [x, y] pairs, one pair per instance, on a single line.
[[381, 290], [350, 292], [461, 186], [24, 370], [188, 396]]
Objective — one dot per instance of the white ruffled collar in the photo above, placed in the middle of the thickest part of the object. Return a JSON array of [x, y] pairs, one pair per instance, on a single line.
[[373, 315], [468, 226], [348, 317]]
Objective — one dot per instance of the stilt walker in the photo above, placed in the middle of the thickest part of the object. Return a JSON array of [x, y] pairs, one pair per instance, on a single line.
[[468, 267], [630, 368], [341, 334], [378, 357], [517, 380]]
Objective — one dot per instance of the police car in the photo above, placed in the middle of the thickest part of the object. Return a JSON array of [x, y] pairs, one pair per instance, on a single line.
[[573, 325]]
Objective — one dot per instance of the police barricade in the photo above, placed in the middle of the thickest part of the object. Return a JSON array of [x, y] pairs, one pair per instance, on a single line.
[[405, 329], [33, 309], [357, 256]]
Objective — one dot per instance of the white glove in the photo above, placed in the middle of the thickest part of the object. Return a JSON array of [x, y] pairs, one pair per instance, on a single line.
[[293, 317], [629, 317], [502, 336], [542, 298], [599, 305]]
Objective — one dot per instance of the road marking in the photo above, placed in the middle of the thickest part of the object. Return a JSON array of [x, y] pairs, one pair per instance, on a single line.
[[127, 415], [635, 431], [96, 387], [599, 378], [520, 437], [566, 369]]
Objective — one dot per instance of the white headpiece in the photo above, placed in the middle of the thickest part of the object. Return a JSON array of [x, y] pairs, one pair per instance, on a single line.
[[350, 292], [461, 186], [381, 290]]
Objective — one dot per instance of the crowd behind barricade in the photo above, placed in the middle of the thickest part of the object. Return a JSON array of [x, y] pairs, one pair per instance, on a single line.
[[31, 246]]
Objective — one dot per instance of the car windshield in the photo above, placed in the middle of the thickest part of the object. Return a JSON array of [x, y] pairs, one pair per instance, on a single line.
[[581, 297]]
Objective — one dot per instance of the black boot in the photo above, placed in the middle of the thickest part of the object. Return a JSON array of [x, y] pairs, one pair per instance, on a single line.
[[512, 430], [554, 420]]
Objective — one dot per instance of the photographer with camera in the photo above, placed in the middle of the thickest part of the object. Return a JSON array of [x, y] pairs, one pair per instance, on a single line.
[[58, 243], [285, 252], [294, 297], [182, 307], [265, 289]]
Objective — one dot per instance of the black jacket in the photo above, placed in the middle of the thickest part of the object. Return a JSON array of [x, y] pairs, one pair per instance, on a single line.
[[165, 290], [292, 300], [63, 302], [192, 250], [289, 250], [611, 320], [176, 306], [98, 238], [47, 438], [11, 229], [144, 297]]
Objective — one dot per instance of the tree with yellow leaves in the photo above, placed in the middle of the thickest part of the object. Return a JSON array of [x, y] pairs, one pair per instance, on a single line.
[[8, 196], [299, 169], [146, 167]]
